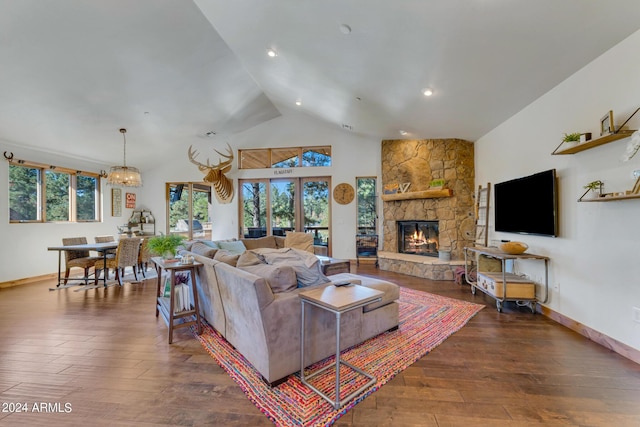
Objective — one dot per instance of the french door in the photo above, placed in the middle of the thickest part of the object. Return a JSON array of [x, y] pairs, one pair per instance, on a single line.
[[275, 206]]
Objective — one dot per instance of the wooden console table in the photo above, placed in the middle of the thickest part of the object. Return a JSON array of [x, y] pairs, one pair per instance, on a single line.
[[504, 277], [166, 305]]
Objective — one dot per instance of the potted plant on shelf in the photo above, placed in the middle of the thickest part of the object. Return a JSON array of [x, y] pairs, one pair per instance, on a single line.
[[571, 139], [165, 245], [595, 187]]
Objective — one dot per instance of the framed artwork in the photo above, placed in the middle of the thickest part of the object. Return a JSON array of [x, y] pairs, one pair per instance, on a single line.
[[606, 124], [116, 202], [131, 200]]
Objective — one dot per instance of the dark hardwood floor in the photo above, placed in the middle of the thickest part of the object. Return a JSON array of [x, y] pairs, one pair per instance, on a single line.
[[104, 353]]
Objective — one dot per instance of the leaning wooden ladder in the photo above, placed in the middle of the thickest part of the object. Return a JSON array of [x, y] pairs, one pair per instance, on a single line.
[[483, 199]]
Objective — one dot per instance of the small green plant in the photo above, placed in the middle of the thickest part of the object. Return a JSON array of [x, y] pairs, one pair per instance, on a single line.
[[165, 244], [594, 185], [571, 137]]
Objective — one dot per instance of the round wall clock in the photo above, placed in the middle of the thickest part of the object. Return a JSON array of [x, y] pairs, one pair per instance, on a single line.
[[343, 193]]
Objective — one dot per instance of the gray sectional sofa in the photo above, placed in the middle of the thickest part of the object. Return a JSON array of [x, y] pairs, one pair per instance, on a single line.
[[262, 318]]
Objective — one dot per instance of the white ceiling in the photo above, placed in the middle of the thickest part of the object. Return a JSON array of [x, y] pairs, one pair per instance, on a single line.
[[72, 72]]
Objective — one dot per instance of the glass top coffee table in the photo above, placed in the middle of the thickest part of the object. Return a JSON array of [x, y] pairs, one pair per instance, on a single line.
[[338, 300]]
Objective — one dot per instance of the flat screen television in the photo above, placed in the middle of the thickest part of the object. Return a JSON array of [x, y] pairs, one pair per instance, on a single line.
[[528, 205]]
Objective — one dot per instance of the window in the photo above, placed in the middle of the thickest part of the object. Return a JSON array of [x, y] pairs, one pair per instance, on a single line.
[[41, 193], [366, 205], [290, 157]]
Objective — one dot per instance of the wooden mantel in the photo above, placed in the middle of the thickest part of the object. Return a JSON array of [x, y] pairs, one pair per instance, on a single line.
[[425, 194]]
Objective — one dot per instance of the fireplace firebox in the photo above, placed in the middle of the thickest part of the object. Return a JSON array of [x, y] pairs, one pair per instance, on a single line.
[[418, 237]]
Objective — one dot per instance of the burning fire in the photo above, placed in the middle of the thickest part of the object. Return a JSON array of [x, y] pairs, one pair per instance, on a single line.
[[418, 239]]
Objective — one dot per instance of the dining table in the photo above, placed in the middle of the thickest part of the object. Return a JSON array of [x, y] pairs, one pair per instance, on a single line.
[[102, 248]]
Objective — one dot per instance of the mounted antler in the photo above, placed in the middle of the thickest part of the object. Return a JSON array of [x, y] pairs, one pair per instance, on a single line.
[[214, 174]]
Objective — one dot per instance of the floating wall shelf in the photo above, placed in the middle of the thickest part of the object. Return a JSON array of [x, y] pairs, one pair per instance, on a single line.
[[593, 143], [425, 194]]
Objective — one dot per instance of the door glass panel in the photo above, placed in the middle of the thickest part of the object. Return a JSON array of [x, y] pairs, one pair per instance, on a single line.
[[316, 210], [254, 209], [200, 217], [57, 195], [179, 209], [282, 207]]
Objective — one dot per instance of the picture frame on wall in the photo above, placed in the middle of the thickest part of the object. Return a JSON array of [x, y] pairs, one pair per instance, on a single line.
[[606, 124], [116, 202], [131, 200]]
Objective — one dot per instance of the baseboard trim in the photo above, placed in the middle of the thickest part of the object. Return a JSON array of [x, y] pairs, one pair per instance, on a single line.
[[595, 336], [28, 280]]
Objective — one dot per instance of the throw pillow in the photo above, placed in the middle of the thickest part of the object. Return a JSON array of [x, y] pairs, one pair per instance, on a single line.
[[210, 243], [281, 278], [260, 242], [249, 258], [227, 257], [299, 240], [236, 247], [201, 248]]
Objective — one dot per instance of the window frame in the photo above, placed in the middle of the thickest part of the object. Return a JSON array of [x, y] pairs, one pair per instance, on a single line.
[[267, 161], [41, 200]]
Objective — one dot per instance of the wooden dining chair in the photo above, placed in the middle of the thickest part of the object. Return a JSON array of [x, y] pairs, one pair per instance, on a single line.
[[144, 256], [78, 259], [107, 239], [126, 256]]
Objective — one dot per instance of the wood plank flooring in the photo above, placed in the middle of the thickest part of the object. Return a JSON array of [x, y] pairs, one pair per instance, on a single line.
[[104, 353]]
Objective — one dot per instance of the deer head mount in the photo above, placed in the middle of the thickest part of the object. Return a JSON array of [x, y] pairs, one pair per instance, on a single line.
[[215, 174]]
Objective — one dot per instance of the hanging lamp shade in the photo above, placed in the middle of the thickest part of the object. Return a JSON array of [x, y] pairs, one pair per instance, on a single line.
[[124, 175]]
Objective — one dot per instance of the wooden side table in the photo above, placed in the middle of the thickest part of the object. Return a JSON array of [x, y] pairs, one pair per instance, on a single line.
[[166, 305]]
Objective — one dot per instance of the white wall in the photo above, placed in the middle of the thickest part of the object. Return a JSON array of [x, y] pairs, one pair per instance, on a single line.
[[23, 252], [352, 156], [596, 260]]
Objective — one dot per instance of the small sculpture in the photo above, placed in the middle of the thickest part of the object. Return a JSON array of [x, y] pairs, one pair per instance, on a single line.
[[215, 174]]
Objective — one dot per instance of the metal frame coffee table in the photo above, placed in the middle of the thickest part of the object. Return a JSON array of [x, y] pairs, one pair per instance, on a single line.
[[337, 300]]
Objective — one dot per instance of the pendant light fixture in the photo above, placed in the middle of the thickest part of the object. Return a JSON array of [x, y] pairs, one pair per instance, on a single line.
[[124, 175]]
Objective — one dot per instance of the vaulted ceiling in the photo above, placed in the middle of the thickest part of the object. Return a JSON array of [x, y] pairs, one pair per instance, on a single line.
[[73, 72]]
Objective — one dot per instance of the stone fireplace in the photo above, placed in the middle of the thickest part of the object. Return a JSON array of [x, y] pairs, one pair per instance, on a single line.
[[416, 163], [418, 237]]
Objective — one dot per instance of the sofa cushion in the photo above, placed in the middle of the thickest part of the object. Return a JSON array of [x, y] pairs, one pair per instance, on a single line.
[[204, 250], [227, 257], [281, 278], [391, 290], [299, 240], [260, 242], [234, 246], [249, 258]]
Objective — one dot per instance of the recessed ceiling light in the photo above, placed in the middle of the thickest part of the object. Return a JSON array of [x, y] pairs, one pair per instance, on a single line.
[[345, 29], [403, 132], [298, 102], [271, 53], [427, 92]]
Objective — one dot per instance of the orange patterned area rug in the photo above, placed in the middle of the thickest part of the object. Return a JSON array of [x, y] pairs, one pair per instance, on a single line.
[[426, 320]]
